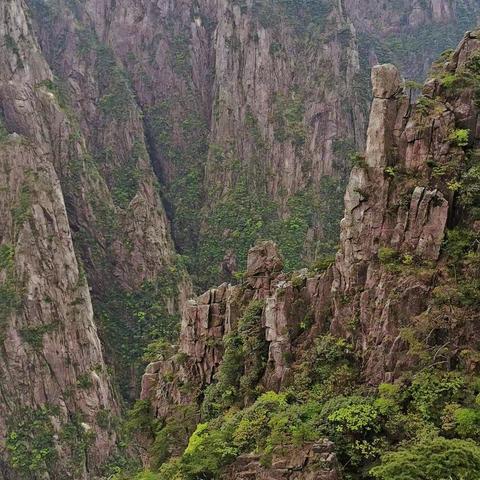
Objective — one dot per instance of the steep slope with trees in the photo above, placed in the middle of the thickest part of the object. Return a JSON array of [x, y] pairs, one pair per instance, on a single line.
[[368, 369]]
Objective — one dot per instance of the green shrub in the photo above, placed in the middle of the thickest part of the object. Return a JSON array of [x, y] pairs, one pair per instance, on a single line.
[[30, 442], [173, 435], [387, 255], [358, 160], [84, 381], [432, 459], [7, 255], [254, 426], [322, 264], [288, 116], [460, 137], [34, 335], [207, 452], [243, 363], [431, 391], [356, 418], [467, 422], [459, 242], [140, 418]]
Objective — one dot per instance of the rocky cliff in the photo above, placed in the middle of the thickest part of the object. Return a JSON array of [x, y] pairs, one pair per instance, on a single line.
[[55, 388], [238, 97], [134, 131], [399, 299]]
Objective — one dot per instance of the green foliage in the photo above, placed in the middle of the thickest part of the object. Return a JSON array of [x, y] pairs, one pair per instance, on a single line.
[[238, 220], [10, 289], [305, 16], [30, 442], [355, 418], [34, 335], [254, 348], [130, 321], [208, 450], [431, 459], [467, 422], [22, 211], [424, 106], [288, 114], [171, 436], [126, 177], [60, 90], [183, 144], [459, 242], [117, 100], [7, 256], [322, 264], [78, 440], [330, 208], [180, 54], [413, 85], [431, 392], [290, 233], [140, 418], [84, 381], [470, 186], [159, 349], [460, 137], [358, 160], [244, 361], [363, 425], [387, 255]]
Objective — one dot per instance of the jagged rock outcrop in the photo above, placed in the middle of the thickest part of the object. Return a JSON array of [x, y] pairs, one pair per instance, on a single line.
[[209, 318], [119, 226], [398, 205], [395, 203], [222, 102]]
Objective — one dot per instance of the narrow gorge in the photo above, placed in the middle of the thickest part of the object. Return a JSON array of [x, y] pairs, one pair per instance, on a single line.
[[286, 151]]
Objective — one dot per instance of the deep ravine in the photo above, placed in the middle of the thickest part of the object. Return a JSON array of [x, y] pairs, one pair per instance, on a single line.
[[146, 146]]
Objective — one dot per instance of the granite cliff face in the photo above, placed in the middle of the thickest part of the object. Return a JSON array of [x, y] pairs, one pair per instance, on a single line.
[[134, 131], [256, 96], [389, 289], [54, 382]]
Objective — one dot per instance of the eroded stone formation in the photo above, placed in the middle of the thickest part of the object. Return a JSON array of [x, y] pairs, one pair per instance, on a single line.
[[394, 206]]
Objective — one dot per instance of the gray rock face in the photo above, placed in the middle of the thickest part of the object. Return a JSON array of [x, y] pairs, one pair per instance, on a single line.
[[311, 462], [386, 81], [384, 274], [52, 371], [264, 260]]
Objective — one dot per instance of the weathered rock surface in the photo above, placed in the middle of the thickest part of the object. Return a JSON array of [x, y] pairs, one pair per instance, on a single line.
[[383, 277], [234, 93], [118, 222], [98, 99], [207, 319], [312, 462], [52, 371]]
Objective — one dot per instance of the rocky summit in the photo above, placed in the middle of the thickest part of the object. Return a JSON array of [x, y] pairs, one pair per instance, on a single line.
[[305, 156]]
